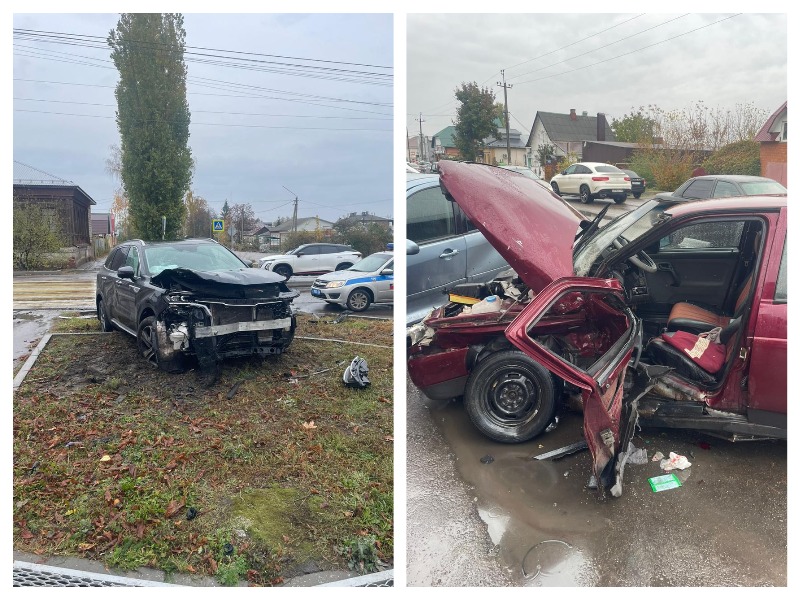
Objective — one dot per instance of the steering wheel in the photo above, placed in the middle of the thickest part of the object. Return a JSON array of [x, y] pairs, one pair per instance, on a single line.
[[641, 259]]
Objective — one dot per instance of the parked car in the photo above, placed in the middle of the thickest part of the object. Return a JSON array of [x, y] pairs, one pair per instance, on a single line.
[[610, 315], [638, 184], [590, 180], [528, 172], [444, 249], [725, 186], [411, 168], [193, 298], [369, 281], [311, 259]]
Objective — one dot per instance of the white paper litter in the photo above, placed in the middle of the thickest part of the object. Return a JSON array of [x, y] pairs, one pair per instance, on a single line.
[[675, 461]]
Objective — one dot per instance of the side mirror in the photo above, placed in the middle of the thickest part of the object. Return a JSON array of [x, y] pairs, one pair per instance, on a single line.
[[387, 272], [411, 248], [125, 272], [563, 172]]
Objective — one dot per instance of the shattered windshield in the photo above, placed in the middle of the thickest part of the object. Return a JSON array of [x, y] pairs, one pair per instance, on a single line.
[[197, 257], [631, 226]]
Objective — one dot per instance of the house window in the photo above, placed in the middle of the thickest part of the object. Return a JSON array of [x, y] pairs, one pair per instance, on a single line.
[[785, 125]]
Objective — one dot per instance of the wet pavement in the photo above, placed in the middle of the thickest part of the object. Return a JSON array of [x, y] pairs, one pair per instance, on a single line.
[[726, 526]]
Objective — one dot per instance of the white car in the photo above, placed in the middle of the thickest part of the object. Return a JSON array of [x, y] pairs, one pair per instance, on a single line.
[[591, 180], [366, 282], [311, 259]]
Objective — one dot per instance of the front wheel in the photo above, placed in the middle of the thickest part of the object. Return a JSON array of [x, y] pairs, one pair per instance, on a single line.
[[283, 271], [147, 343], [359, 300], [554, 185], [586, 196], [102, 316], [509, 397]]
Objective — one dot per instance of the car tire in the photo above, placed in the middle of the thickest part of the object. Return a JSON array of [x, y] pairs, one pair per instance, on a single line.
[[105, 324], [283, 270], [585, 194], [359, 300], [147, 343], [554, 185], [637, 196], [343, 266], [620, 199], [509, 397]]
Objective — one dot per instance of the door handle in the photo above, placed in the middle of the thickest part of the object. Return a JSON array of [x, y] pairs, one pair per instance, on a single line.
[[449, 253], [668, 268]]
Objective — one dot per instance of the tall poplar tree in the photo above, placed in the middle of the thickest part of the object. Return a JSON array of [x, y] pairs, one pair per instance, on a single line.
[[476, 119], [153, 119]]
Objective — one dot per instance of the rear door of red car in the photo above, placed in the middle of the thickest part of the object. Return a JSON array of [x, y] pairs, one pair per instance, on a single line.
[[587, 320]]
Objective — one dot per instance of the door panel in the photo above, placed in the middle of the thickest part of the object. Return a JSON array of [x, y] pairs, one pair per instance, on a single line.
[[596, 336], [699, 277]]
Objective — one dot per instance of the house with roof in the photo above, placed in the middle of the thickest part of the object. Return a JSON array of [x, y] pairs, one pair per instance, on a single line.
[[280, 233], [443, 144], [772, 136], [567, 133], [495, 151], [366, 218], [63, 199]]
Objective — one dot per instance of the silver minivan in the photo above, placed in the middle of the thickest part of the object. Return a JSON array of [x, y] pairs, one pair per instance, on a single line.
[[444, 249]]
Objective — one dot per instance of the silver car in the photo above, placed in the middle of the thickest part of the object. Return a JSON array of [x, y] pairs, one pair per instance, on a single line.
[[369, 281], [444, 249]]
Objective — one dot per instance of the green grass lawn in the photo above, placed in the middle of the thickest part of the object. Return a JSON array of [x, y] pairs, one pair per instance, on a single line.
[[275, 466]]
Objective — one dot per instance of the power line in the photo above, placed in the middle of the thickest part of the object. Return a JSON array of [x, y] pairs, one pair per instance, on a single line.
[[628, 53], [44, 112]]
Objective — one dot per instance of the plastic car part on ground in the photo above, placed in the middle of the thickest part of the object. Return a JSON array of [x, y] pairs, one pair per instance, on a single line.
[[355, 375], [664, 482]]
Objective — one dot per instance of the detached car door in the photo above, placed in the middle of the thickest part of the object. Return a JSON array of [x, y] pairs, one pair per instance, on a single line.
[[580, 329]]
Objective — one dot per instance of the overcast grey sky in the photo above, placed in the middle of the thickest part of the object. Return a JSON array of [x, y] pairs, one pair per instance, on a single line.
[[557, 62], [334, 152]]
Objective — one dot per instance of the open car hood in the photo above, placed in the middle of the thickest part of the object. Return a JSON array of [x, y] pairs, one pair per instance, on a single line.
[[531, 228], [239, 283]]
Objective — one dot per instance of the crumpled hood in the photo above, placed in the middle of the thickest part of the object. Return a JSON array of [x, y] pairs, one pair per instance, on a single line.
[[531, 228], [238, 283]]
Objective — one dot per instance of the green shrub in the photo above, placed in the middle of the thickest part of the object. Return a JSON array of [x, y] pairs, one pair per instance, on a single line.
[[738, 158]]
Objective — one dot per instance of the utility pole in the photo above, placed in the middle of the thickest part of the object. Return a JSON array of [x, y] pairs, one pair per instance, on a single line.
[[294, 216], [421, 144], [505, 87], [408, 146]]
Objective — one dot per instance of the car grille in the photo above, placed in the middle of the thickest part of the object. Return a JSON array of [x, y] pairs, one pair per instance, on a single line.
[[318, 283], [226, 314]]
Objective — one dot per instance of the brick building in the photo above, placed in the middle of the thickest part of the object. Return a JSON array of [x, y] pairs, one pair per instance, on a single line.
[[772, 137]]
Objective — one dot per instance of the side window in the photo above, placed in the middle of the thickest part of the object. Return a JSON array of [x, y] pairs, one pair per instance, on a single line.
[[780, 286], [570, 170], [725, 189], [581, 170], [312, 250], [389, 265], [110, 258], [700, 188], [132, 260], [429, 216], [720, 234], [119, 258]]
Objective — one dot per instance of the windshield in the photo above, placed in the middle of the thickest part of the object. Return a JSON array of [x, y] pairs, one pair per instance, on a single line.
[[631, 226], [198, 257], [757, 188], [295, 250], [372, 263]]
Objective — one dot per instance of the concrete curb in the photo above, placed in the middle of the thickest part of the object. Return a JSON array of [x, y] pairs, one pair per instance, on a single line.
[[20, 376]]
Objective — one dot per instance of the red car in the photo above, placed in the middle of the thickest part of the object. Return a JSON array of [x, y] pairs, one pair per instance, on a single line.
[[613, 317]]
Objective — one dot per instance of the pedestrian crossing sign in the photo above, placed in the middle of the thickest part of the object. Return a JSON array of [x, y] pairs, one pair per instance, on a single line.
[[217, 225]]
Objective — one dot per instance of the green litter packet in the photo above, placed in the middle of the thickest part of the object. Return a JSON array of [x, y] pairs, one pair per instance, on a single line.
[[664, 482]]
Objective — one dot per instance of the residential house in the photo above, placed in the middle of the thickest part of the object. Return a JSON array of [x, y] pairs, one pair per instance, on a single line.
[[366, 218], [103, 232], [772, 137], [495, 150], [257, 236], [416, 152], [567, 133], [65, 200], [279, 233], [443, 145]]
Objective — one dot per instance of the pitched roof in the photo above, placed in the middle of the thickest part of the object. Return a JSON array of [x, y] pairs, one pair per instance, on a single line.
[[764, 134], [445, 136], [514, 136], [561, 128], [287, 225], [27, 174]]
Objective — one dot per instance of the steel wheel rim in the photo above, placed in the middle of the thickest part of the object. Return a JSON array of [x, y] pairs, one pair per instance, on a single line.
[[512, 398]]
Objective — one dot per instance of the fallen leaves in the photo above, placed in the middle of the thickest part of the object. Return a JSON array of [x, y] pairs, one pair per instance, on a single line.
[[173, 508]]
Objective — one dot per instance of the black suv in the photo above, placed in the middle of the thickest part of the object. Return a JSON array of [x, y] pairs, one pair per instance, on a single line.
[[193, 297]]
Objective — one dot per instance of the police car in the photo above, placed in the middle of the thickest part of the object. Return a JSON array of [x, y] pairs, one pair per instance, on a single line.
[[369, 281]]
